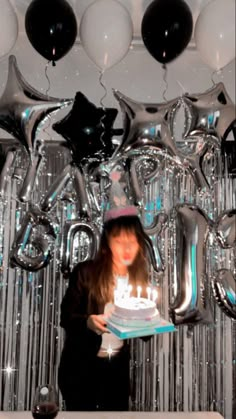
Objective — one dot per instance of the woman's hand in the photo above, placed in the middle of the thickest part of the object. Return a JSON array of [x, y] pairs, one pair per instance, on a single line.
[[97, 324]]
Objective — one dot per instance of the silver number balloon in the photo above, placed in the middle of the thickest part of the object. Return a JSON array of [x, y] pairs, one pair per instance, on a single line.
[[134, 182], [191, 304], [142, 170], [56, 188], [32, 251], [32, 171], [224, 283], [151, 239], [69, 232], [6, 163], [82, 187]]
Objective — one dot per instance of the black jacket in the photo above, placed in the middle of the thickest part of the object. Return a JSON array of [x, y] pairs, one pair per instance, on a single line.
[[79, 339]]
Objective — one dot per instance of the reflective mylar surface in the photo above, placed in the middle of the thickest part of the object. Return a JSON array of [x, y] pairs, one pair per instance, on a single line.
[[191, 304], [148, 128], [23, 108], [37, 243], [211, 112], [191, 369], [226, 229], [224, 289]]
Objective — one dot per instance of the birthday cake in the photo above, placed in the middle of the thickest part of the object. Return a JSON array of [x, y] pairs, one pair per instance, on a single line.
[[134, 312]]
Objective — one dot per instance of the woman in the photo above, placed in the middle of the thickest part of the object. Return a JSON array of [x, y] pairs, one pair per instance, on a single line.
[[94, 367]]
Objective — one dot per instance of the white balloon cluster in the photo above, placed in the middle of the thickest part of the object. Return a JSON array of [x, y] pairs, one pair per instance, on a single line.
[[9, 28], [215, 33], [106, 32]]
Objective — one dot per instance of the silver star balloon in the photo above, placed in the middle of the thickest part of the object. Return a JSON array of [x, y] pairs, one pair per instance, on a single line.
[[23, 109], [211, 112], [22, 112], [148, 127]]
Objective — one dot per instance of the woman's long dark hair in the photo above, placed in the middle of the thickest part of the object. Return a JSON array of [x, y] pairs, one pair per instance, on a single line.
[[103, 286]]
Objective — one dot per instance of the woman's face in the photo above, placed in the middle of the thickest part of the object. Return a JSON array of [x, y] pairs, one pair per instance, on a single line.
[[124, 248]]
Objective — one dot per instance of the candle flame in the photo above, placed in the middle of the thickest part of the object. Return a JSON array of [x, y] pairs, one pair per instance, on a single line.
[[149, 292], [154, 295], [139, 290]]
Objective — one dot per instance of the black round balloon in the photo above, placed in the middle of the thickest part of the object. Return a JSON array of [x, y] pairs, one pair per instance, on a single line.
[[166, 29], [51, 27]]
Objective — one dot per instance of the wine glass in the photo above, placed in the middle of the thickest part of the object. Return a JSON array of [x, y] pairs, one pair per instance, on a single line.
[[45, 404]]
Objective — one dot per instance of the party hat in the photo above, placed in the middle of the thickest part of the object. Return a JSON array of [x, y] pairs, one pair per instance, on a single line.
[[118, 205]]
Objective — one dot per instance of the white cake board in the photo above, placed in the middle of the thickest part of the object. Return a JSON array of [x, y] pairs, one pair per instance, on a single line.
[[122, 332]]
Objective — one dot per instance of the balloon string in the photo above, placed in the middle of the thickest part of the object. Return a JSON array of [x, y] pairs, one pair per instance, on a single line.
[[215, 72], [182, 87], [105, 89], [46, 75], [103, 107], [165, 80], [44, 129]]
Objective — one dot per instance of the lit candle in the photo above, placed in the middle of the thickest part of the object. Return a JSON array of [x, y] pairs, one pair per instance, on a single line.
[[139, 290], [129, 290], [116, 296], [154, 295], [149, 293]]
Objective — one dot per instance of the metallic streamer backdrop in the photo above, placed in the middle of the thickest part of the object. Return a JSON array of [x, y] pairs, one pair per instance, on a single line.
[[191, 369]]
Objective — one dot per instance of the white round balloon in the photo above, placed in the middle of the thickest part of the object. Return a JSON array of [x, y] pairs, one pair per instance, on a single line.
[[8, 27], [106, 32], [215, 33]]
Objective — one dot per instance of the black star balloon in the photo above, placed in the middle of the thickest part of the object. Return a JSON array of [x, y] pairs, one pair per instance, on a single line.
[[23, 109], [88, 130]]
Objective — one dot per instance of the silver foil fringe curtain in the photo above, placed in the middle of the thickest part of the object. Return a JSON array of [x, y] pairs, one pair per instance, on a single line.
[[189, 370]]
